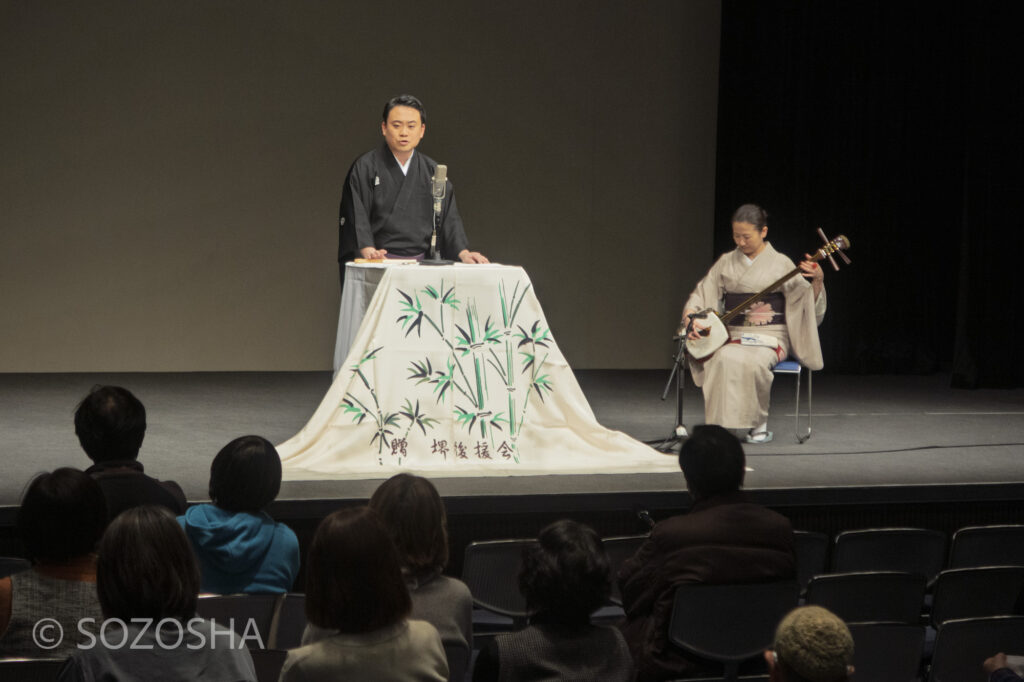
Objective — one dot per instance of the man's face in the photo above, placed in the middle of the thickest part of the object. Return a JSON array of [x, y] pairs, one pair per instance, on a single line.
[[403, 131]]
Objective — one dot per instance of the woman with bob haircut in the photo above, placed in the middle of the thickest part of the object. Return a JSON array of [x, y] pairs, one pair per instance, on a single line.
[[61, 518], [357, 606], [565, 578], [239, 546], [148, 584], [414, 516]]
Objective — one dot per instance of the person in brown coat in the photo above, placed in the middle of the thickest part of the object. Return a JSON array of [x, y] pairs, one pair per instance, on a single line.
[[723, 538]]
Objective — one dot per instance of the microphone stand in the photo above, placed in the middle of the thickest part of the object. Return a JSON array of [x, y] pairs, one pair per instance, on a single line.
[[437, 190], [679, 434], [434, 255]]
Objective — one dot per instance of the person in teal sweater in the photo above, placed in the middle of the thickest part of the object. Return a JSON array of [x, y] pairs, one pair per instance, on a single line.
[[240, 548]]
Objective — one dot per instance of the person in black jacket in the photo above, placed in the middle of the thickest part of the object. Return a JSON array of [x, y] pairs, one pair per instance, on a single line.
[[724, 538], [110, 424]]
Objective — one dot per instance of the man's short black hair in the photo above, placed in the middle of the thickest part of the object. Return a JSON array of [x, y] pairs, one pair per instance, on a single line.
[[62, 515], [245, 475], [405, 101], [110, 424], [712, 461]]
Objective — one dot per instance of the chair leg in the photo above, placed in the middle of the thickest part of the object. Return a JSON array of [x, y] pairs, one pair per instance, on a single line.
[[801, 437]]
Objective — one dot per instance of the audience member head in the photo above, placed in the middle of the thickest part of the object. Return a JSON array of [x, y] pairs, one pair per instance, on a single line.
[[566, 574], [812, 644], [413, 513], [110, 424], [404, 101], [146, 568], [62, 516], [245, 475], [353, 576], [712, 461]]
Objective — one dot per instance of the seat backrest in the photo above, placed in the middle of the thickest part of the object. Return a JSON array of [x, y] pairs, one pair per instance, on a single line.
[[811, 550], [961, 646], [729, 623], [870, 596], [458, 655], [619, 549], [241, 613], [887, 652], [289, 622], [908, 550], [491, 571], [9, 565], [976, 592], [268, 663], [741, 678], [987, 546], [30, 669]]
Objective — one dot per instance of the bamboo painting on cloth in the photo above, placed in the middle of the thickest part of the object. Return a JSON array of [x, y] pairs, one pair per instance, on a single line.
[[453, 371]]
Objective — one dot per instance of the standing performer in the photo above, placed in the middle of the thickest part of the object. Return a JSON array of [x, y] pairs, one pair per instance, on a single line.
[[387, 206], [737, 378]]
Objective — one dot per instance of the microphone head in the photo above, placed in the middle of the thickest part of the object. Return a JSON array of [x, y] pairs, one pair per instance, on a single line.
[[440, 173]]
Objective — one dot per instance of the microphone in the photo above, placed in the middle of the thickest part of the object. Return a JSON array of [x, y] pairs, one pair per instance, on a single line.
[[437, 190], [438, 183]]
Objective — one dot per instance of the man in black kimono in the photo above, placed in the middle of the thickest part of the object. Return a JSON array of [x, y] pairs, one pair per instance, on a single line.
[[387, 207]]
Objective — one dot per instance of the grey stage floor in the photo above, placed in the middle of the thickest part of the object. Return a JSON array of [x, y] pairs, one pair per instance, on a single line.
[[869, 431]]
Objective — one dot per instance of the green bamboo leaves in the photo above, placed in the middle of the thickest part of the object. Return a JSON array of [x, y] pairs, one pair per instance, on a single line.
[[488, 361]]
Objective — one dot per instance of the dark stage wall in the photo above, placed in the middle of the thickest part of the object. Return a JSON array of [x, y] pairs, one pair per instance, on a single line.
[[170, 171], [900, 124]]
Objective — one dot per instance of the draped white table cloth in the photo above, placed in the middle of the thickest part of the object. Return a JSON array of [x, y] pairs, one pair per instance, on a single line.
[[361, 281], [454, 372]]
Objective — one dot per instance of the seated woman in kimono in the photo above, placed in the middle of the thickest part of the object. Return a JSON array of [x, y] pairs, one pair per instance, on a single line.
[[737, 378]]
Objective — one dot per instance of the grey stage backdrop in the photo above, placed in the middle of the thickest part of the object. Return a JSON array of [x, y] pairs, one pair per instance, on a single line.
[[171, 170]]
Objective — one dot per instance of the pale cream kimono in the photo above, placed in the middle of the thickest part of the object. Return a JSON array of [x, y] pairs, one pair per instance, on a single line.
[[737, 379]]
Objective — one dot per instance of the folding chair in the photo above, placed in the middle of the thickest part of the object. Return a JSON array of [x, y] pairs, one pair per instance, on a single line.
[[795, 368], [289, 622], [619, 549], [869, 596], [908, 550], [1000, 545], [976, 593], [241, 613], [491, 571], [811, 551], [458, 660], [30, 669], [741, 678], [268, 663], [887, 652], [729, 623], [9, 565], [961, 646]]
